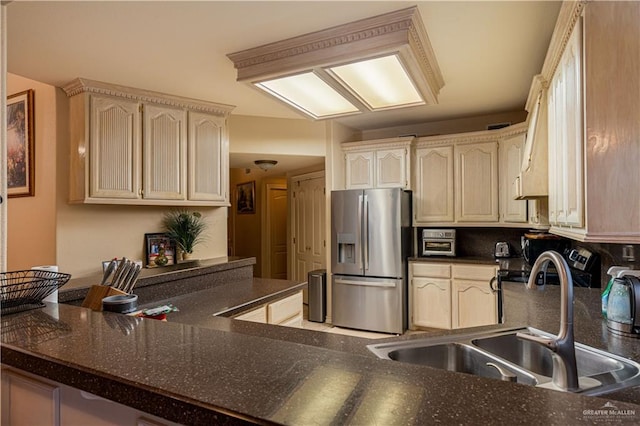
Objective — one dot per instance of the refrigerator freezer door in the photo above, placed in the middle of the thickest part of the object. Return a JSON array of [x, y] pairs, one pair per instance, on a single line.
[[346, 232], [371, 304], [382, 242]]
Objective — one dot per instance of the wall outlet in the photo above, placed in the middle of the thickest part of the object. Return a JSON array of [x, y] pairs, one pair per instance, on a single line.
[[627, 253]]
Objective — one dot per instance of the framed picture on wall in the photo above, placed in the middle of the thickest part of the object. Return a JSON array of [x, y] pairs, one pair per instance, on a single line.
[[160, 250], [246, 198], [20, 145]]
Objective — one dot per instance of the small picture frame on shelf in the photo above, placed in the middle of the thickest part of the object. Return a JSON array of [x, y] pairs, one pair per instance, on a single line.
[[246, 197], [160, 250]]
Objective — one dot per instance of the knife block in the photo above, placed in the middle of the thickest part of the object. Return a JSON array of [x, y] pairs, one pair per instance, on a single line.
[[96, 293]]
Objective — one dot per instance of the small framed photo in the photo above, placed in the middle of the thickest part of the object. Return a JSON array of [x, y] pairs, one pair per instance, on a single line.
[[246, 198], [160, 250], [20, 145]]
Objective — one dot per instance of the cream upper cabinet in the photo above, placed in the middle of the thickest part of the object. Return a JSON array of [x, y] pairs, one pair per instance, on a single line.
[[208, 151], [383, 163], [433, 199], [566, 191], [114, 147], [360, 169], [511, 152], [131, 146], [164, 150], [593, 110], [476, 182]]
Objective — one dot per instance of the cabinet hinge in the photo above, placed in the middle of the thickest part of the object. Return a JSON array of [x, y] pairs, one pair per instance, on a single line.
[[294, 240], [294, 194], [324, 243], [140, 108]]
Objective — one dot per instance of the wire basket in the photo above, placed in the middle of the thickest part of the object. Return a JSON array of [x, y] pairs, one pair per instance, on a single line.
[[24, 290]]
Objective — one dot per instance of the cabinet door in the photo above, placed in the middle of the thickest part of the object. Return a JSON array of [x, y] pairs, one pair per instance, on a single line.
[[164, 151], [391, 168], [256, 315], [511, 151], [476, 182], [114, 148], [27, 401], [433, 199], [566, 184], [473, 304], [208, 152], [359, 170], [431, 302], [285, 309]]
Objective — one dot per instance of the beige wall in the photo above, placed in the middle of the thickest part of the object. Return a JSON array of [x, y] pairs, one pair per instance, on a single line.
[[459, 125], [31, 230], [260, 135]]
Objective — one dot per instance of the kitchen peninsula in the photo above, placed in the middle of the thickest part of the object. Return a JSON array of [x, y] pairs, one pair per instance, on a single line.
[[230, 371]]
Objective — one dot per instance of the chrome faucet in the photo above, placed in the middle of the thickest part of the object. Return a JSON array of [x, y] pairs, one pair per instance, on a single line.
[[565, 372]]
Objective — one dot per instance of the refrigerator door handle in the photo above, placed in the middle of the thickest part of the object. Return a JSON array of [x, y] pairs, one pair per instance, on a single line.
[[365, 231], [365, 283], [359, 236]]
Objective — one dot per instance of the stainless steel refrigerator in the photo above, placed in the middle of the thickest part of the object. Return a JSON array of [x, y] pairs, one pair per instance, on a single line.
[[370, 242]]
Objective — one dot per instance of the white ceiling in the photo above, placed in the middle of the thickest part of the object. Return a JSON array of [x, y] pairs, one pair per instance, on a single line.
[[488, 52]]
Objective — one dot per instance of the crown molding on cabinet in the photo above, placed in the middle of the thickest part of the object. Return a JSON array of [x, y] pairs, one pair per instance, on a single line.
[[471, 137], [570, 13], [83, 85]]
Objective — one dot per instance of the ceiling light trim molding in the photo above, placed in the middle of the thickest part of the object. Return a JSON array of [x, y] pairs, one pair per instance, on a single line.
[[83, 85], [400, 32]]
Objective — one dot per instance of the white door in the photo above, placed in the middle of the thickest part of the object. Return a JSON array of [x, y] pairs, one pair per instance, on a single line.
[[433, 199], [308, 226]]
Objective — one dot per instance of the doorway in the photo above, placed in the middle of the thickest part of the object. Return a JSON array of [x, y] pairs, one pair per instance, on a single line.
[[274, 235]]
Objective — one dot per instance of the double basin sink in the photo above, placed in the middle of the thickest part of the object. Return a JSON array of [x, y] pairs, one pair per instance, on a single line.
[[504, 356]]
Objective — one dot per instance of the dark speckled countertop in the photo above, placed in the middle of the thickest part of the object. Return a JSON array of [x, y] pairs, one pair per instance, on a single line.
[[228, 371]]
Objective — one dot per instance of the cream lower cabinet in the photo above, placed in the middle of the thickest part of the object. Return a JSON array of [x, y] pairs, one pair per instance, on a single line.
[[451, 295], [286, 312], [31, 400], [130, 146]]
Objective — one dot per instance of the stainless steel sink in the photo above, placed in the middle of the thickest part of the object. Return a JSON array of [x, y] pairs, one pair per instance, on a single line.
[[502, 355], [461, 358]]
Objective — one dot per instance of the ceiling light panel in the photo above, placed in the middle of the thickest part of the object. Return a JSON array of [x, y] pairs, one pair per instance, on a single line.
[[310, 94], [380, 82], [395, 42]]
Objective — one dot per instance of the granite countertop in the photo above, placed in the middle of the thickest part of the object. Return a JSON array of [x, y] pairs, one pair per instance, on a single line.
[[229, 371], [226, 300]]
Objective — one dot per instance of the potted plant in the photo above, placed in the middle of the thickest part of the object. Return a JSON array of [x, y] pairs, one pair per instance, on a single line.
[[185, 228]]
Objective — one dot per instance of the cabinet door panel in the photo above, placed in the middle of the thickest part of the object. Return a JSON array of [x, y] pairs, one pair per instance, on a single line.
[[359, 170], [114, 152], [431, 302], [164, 150], [511, 152], [473, 304], [476, 172], [391, 168], [207, 153], [27, 401], [434, 193]]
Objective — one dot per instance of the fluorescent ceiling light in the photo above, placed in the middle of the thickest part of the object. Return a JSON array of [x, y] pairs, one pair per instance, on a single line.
[[380, 82], [369, 65], [310, 94]]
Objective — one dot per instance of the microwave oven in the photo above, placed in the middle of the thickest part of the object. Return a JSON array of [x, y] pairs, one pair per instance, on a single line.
[[438, 242]]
